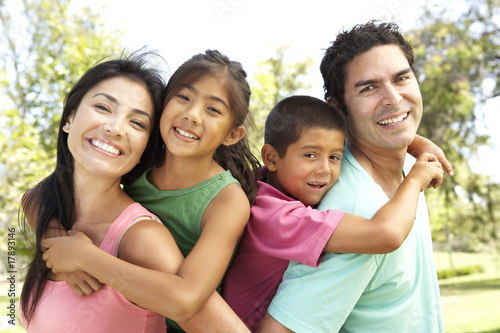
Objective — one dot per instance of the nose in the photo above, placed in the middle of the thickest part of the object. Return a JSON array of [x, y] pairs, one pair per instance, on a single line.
[[391, 97], [323, 166], [115, 126], [193, 114]]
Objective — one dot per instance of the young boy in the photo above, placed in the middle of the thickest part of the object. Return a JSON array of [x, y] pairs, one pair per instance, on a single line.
[[304, 144]]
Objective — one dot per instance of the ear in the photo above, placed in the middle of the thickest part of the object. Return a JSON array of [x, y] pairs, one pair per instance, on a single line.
[[235, 135], [332, 101], [269, 157], [67, 126]]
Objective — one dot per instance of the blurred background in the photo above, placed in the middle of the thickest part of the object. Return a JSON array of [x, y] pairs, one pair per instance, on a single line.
[[45, 45]]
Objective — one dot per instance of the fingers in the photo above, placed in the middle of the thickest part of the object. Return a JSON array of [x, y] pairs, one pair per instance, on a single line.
[[83, 288]]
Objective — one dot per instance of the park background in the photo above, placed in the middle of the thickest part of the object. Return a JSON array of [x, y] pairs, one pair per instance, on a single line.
[[45, 45]]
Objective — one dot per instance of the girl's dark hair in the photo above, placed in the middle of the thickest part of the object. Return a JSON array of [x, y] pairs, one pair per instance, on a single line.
[[288, 120], [352, 43], [237, 158], [54, 197]]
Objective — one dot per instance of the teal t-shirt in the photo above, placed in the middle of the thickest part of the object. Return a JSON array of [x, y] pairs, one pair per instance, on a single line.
[[395, 292], [180, 211]]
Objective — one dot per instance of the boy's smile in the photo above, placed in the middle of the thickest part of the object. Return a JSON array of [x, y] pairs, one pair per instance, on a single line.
[[310, 167]]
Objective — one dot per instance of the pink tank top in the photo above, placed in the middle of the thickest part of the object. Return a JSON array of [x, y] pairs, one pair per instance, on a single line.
[[61, 310]]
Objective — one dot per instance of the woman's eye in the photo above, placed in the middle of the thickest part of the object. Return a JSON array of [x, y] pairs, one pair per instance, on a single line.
[[102, 107], [138, 123]]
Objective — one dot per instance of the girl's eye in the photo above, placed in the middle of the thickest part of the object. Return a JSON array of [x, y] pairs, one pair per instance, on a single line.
[[214, 110], [183, 97]]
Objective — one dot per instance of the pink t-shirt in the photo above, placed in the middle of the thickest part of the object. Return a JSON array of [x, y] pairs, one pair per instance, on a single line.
[[61, 310], [280, 229]]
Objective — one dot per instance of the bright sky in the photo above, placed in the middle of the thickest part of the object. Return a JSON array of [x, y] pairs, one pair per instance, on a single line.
[[250, 31]]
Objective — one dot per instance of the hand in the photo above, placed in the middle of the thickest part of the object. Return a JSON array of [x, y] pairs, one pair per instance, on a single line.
[[422, 145], [80, 282], [427, 171], [61, 254]]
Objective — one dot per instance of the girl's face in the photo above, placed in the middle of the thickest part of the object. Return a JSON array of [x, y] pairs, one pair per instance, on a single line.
[[109, 131], [197, 120]]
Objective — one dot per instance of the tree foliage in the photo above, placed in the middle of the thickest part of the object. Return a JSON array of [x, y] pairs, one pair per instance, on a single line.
[[457, 55], [45, 45], [274, 80]]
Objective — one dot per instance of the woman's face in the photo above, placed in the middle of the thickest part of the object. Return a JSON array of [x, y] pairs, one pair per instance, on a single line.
[[109, 131]]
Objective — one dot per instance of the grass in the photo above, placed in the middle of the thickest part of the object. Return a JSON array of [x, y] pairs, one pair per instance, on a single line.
[[470, 303]]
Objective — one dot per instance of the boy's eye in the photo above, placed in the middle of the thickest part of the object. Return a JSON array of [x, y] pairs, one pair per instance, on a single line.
[[310, 155], [335, 157]]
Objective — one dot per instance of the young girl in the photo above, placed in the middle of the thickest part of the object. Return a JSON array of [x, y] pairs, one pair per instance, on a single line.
[[194, 190], [108, 132]]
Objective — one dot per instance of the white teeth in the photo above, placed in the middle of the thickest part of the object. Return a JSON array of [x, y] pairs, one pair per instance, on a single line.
[[317, 184], [105, 147], [186, 134], [393, 121]]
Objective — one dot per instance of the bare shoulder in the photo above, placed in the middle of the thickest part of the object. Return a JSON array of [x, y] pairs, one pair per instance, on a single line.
[[233, 199], [148, 243]]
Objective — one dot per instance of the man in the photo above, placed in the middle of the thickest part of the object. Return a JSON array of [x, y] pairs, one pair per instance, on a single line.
[[369, 73]]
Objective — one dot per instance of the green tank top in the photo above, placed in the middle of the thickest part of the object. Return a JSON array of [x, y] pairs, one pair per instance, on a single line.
[[180, 211]]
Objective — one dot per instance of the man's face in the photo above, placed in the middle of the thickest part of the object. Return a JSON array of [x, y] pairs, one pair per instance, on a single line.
[[383, 100]]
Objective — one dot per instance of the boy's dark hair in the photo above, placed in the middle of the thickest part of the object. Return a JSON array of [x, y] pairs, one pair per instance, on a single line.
[[293, 115], [349, 44]]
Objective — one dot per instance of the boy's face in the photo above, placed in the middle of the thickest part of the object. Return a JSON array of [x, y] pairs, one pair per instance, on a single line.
[[311, 165]]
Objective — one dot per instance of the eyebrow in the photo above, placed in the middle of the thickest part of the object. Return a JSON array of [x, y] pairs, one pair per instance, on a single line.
[[115, 101], [211, 97], [369, 82]]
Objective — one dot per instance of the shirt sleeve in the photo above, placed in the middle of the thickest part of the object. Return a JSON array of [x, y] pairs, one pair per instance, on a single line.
[[292, 231]]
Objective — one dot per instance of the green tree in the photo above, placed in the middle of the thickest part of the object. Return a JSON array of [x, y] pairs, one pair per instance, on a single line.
[[458, 59], [45, 45], [274, 80]]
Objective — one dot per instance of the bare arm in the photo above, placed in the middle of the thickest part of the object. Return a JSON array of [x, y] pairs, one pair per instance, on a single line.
[[80, 282], [180, 296], [215, 316], [389, 227]]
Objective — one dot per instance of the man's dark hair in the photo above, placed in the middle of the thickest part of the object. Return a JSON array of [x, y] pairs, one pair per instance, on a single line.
[[349, 44]]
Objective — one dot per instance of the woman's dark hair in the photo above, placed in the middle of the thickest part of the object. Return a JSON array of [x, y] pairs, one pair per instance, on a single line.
[[236, 158], [352, 43], [54, 197]]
